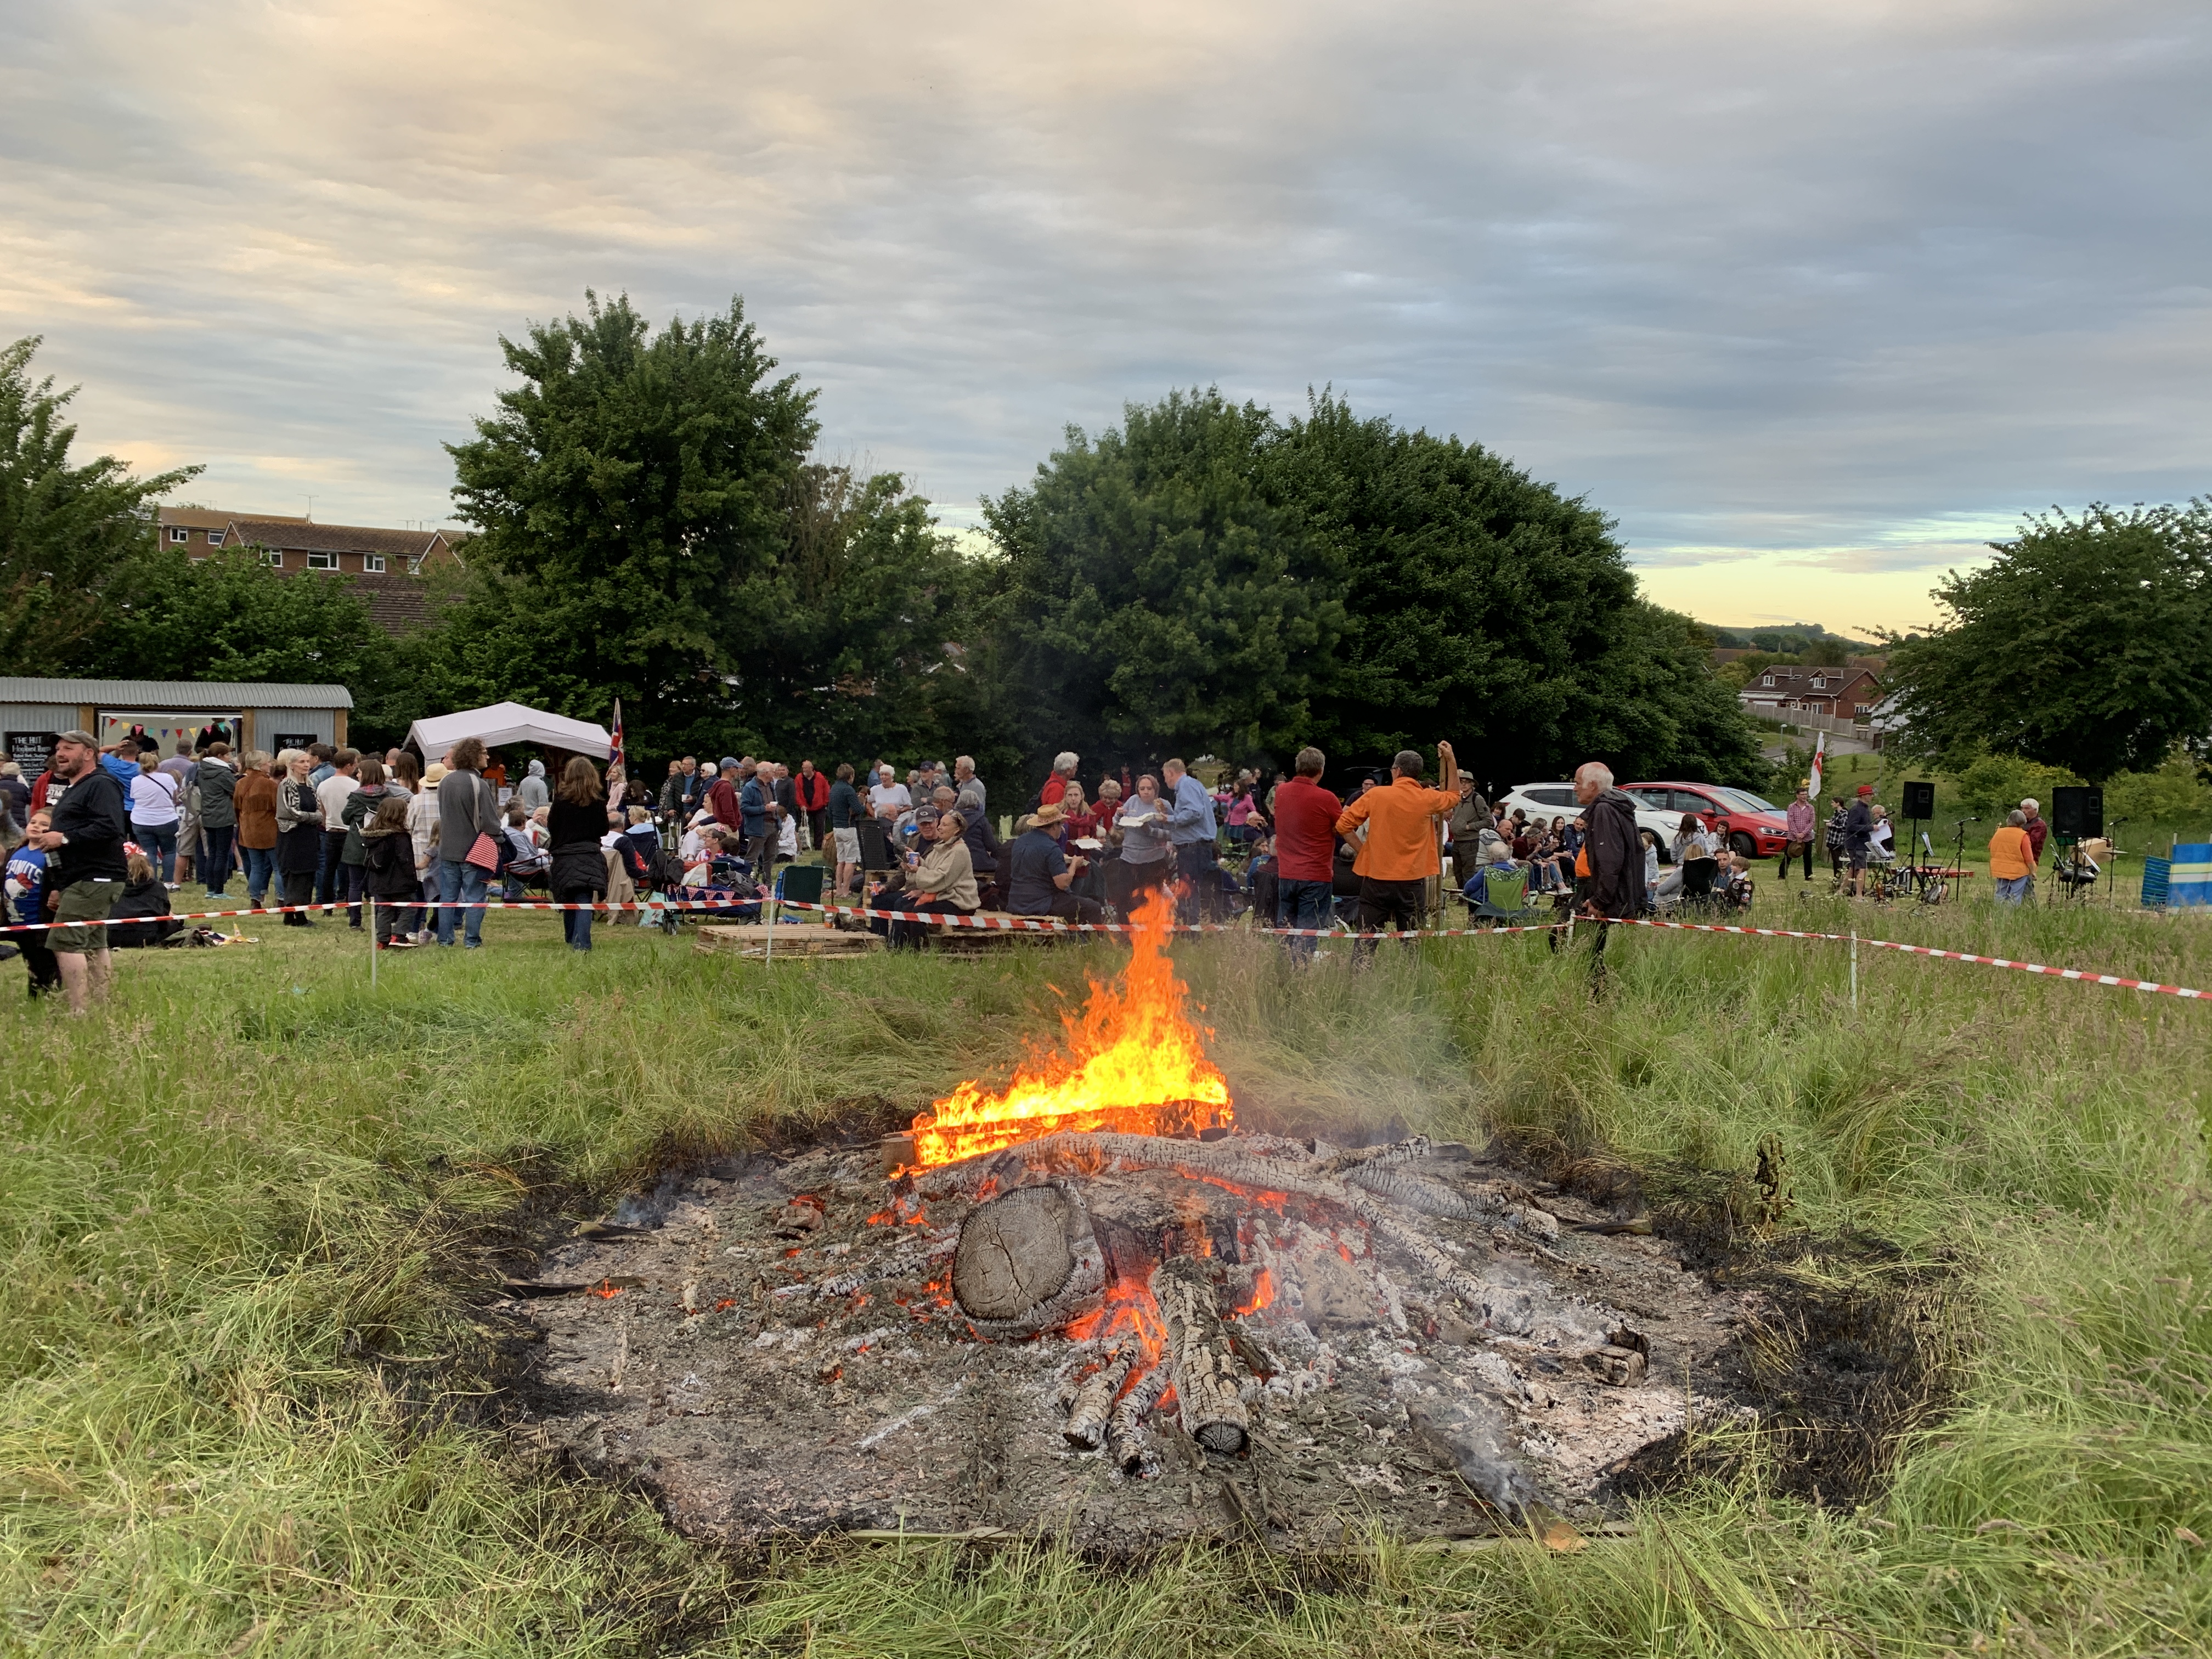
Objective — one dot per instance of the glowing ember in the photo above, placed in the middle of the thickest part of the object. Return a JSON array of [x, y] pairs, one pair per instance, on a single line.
[[1133, 1064]]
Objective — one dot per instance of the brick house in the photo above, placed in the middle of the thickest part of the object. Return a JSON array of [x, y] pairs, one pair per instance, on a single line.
[[1847, 694], [388, 567]]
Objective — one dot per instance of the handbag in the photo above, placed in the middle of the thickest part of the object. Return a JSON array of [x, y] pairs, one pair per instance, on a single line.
[[483, 853]]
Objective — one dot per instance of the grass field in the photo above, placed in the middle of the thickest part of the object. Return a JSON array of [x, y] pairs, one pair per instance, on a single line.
[[245, 1214]]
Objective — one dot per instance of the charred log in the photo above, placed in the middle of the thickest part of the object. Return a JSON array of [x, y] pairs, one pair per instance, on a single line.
[[1125, 1443], [1093, 1404], [1201, 1356], [1028, 1261]]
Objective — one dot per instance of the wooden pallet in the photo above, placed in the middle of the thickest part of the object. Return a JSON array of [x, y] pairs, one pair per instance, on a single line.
[[798, 943]]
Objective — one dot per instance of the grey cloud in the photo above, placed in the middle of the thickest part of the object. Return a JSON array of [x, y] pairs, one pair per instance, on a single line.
[[1750, 278]]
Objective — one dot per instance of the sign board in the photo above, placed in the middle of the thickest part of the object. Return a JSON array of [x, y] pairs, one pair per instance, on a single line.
[[2189, 881], [284, 740], [29, 749]]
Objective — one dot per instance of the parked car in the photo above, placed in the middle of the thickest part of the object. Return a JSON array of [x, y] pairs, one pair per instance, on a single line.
[[1550, 800], [1754, 827]]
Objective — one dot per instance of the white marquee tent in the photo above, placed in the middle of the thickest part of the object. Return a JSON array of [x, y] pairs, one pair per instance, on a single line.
[[509, 722]]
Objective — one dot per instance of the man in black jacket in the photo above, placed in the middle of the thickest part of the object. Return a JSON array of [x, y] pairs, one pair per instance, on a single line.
[[85, 847], [1612, 884]]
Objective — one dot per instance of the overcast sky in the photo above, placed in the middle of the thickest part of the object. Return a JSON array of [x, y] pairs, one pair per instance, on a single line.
[[1811, 298]]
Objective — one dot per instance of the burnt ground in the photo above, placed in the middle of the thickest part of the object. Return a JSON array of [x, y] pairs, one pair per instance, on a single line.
[[772, 1348]]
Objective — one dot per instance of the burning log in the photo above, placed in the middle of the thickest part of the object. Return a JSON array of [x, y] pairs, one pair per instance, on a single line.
[[1203, 1358], [1028, 1261], [1093, 1404], [1125, 1445]]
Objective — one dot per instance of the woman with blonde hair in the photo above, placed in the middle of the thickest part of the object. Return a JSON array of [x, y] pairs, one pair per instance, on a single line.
[[299, 835]]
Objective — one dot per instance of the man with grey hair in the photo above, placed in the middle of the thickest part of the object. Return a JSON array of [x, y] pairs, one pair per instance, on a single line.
[[1192, 832], [969, 787], [1609, 869]]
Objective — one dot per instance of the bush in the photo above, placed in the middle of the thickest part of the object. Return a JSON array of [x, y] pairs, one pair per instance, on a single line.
[[2174, 792], [1995, 784]]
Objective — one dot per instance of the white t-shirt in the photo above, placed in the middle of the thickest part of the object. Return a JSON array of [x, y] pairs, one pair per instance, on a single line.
[[889, 795], [331, 795], [154, 798]]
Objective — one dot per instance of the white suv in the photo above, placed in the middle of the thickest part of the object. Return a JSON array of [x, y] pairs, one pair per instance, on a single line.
[[1557, 800]]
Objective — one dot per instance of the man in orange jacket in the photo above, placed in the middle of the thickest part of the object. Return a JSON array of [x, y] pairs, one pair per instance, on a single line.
[[1401, 851]]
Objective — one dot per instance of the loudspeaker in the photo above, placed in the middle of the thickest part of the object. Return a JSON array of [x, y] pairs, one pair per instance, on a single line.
[[1919, 800], [2077, 814]]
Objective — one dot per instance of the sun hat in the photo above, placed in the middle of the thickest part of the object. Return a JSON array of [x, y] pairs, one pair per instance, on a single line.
[[434, 773], [1048, 813]]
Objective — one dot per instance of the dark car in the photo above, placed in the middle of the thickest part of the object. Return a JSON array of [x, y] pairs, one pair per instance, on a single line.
[[1754, 827]]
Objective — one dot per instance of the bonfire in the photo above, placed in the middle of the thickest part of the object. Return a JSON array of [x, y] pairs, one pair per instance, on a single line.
[[1089, 1297]]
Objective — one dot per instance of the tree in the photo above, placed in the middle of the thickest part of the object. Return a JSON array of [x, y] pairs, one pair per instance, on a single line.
[[1155, 597], [2084, 645], [1485, 605], [625, 492], [65, 531]]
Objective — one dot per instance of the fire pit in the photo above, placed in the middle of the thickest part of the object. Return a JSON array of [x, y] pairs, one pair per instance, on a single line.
[[1061, 1309]]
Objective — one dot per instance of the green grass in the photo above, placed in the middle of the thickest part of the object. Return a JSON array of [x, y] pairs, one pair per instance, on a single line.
[[249, 1409]]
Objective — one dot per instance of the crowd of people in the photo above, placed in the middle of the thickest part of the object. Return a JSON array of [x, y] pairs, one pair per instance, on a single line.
[[108, 832]]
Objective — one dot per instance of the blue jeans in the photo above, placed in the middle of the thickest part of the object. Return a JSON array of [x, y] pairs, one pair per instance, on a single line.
[[260, 871], [159, 842], [459, 879], [576, 924], [214, 858], [2013, 889], [1302, 905]]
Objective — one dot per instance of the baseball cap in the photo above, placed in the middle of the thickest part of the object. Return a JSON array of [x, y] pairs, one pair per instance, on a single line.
[[925, 815], [84, 737], [1866, 789]]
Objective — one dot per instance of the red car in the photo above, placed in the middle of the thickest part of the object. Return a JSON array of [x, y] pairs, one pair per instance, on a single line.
[[1754, 827]]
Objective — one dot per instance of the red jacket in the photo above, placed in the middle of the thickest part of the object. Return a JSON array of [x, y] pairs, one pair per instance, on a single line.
[[722, 802], [813, 793]]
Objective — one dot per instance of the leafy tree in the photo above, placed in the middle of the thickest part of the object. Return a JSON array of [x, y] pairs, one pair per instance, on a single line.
[[1156, 598], [625, 492], [2086, 645], [1482, 603], [65, 531]]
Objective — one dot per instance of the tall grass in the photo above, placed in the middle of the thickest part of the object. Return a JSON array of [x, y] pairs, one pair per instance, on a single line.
[[245, 1215]]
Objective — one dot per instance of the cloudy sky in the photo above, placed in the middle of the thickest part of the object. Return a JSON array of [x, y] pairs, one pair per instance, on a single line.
[[1813, 298]]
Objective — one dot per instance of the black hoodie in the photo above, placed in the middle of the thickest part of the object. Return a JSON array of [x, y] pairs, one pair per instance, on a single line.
[[1616, 856]]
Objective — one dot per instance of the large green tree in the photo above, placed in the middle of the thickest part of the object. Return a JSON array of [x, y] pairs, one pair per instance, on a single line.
[[625, 491], [1157, 597], [66, 530], [1209, 578], [2086, 644]]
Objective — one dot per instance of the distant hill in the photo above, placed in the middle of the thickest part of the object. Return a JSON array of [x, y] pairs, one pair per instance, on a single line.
[[1786, 638]]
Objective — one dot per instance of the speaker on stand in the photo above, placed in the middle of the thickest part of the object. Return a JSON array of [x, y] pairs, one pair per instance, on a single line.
[[2077, 814], [1919, 809]]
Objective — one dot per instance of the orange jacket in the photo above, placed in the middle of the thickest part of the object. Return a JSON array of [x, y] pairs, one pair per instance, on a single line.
[[1401, 830], [2010, 857]]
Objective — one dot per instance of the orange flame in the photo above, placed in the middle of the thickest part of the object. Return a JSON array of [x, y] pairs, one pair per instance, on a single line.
[[1134, 1063]]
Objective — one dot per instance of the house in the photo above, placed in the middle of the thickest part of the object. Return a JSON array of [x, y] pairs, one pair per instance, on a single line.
[[1846, 694], [388, 567]]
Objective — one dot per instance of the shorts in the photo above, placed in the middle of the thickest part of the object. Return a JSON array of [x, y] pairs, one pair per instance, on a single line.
[[848, 845], [1856, 858], [83, 901]]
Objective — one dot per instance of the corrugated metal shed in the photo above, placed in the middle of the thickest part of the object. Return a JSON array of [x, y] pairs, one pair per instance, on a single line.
[[174, 694]]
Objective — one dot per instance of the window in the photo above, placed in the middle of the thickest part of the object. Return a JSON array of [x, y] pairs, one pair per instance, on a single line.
[[1819, 681], [215, 538], [1550, 797], [1865, 709], [415, 565], [372, 564], [322, 560], [1769, 680], [177, 534], [275, 557]]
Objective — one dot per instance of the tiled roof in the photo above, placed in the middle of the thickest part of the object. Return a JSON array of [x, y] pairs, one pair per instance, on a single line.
[[397, 604], [292, 536], [208, 518]]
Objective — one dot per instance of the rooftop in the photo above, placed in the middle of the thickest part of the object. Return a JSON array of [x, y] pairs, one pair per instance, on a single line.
[[193, 694]]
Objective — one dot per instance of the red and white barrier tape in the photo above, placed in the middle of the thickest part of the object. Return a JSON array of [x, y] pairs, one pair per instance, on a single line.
[[1025, 924]]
